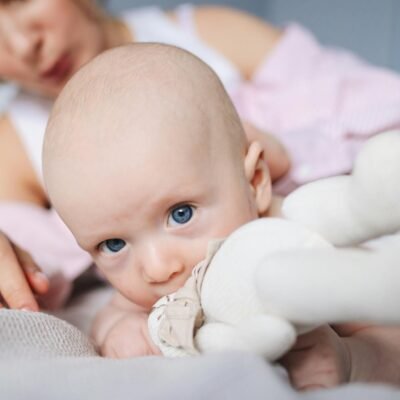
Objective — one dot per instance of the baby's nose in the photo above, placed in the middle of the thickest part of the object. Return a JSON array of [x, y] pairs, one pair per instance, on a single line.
[[161, 265]]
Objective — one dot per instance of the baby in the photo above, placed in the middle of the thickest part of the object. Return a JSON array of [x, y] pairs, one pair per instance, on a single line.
[[153, 165], [145, 170]]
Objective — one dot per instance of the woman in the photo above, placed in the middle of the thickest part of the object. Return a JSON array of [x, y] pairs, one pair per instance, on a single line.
[[42, 43]]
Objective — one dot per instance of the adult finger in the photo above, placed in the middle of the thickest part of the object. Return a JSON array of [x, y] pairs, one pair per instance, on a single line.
[[14, 287], [36, 278], [317, 360], [309, 370]]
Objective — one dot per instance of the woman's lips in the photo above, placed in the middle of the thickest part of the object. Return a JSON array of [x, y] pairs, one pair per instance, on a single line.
[[59, 71]]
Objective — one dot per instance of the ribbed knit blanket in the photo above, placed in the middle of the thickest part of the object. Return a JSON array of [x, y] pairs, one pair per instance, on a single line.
[[30, 335], [43, 357]]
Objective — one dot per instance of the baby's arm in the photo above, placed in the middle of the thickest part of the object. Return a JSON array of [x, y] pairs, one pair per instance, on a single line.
[[120, 330]]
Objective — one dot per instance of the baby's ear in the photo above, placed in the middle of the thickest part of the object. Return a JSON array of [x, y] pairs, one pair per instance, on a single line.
[[257, 174]]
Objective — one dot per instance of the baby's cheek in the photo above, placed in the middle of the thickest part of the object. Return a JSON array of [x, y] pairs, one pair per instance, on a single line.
[[118, 281], [108, 273]]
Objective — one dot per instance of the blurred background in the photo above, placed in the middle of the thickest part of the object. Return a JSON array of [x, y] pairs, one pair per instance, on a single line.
[[370, 28]]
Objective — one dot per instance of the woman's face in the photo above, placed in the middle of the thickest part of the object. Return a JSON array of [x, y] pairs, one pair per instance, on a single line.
[[42, 42]]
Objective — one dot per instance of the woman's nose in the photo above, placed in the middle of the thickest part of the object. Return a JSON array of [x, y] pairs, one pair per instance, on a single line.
[[24, 42], [27, 46], [161, 263]]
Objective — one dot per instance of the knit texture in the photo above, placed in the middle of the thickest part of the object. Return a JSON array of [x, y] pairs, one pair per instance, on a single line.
[[34, 335]]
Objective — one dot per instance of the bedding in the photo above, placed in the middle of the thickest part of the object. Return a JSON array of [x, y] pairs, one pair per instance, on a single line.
[[322, 103], [44, 357]]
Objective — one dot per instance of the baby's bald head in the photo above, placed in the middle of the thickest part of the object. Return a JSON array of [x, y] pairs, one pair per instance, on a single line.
[[144, 91]]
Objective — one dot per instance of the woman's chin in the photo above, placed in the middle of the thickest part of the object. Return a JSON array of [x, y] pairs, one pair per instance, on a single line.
[[48, 91]]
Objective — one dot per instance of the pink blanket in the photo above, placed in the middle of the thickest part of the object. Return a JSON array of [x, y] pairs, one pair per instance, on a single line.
[[322, 103]]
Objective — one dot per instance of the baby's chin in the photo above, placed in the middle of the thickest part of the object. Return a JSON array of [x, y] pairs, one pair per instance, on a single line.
[[145, 303]]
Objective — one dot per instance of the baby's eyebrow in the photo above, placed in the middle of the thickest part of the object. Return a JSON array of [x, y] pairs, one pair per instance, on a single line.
[[178, 195], [87, 246]]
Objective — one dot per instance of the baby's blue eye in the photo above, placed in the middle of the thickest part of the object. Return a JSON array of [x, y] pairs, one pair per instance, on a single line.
[[180, 215], [112, 245]]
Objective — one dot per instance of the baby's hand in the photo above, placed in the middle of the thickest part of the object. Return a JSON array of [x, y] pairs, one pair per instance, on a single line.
[[20, 277], [120, 330], [129, 337], [319, 359]]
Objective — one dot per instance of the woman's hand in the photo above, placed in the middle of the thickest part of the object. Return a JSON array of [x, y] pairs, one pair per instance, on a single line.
[[20, 277], [327, 357], [319, 359]]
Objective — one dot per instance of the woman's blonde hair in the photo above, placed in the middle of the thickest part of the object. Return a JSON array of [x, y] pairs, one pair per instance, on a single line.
[[93, 9]]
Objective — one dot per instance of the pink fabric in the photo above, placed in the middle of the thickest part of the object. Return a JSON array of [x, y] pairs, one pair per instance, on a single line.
[[42, 233], [321, 103]]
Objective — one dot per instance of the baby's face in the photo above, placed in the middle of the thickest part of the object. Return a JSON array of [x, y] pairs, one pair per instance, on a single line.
[[146, 212]]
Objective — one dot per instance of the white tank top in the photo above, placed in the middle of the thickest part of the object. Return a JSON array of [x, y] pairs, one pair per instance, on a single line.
[[29, 113]]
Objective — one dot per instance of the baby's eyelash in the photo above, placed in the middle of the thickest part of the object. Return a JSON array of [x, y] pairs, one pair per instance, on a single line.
[[182, 204], [180, 214], [111, 246]]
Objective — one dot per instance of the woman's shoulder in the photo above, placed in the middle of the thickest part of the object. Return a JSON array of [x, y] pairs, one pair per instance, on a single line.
[[28, 114], [22, 128], [18, 180]]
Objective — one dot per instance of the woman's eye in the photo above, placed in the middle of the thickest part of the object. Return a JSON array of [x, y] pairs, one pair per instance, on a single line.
[[6, 2], [112, 245], [180, 215]]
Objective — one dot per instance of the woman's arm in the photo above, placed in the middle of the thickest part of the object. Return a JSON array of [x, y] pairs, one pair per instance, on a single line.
[[374, 352], [241, 37], [328, 357]]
